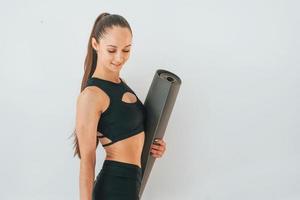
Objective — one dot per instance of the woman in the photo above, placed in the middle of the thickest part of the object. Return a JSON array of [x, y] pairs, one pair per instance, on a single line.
[[109, 111]]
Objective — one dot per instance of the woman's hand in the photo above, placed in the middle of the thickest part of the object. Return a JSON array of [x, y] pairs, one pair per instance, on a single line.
[[158, 148]]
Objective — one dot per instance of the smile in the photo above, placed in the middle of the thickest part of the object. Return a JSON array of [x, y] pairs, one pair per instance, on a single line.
[[117, 65]]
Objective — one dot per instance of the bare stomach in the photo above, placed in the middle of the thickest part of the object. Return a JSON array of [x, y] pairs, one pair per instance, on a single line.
[[128, 150]]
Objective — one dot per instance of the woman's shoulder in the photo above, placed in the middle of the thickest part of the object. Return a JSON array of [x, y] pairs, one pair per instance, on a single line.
[[92, 97]]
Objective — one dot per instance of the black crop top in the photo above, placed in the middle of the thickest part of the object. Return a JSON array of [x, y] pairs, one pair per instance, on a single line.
[[121, 119]]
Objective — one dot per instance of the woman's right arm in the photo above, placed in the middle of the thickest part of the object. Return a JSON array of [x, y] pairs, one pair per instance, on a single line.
[[87, 117]]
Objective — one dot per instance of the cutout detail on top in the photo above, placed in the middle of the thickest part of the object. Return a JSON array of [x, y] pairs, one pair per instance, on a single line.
[[129, 97], [102, 138]]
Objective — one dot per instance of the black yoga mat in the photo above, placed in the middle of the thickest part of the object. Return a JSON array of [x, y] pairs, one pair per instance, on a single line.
[[159, 103]]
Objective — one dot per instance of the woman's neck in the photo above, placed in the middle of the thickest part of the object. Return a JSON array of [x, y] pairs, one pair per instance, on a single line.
[[107, 75]]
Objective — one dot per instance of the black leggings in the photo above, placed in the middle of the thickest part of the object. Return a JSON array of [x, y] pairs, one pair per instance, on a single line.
[[117, 181]]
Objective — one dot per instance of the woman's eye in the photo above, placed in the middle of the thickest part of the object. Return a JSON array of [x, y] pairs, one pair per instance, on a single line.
[[115, 51]]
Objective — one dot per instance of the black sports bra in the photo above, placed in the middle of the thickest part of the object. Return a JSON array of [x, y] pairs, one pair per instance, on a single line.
[[121, 119]]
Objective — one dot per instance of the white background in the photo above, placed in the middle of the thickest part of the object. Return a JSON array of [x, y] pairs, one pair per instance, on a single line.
[[233, 133]]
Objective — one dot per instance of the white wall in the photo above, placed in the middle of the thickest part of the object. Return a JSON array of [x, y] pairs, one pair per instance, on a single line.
[[234, 130]]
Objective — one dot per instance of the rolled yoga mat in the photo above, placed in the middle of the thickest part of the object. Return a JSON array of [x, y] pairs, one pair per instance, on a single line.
[[159, 103]]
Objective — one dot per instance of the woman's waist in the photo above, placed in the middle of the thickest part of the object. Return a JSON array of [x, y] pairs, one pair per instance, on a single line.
[[126, 158], [126, 152], [121, 168]]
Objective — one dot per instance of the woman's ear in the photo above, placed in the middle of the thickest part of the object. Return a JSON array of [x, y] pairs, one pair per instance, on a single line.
[[95, 44]]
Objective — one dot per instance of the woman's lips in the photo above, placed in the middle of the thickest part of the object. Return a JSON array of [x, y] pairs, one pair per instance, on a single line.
[[117, 65]]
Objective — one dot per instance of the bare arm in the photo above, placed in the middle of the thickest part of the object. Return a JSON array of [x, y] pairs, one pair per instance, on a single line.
[[87, 117]]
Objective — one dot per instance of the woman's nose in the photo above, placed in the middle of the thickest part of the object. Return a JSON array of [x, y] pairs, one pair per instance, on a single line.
[[119, 58]]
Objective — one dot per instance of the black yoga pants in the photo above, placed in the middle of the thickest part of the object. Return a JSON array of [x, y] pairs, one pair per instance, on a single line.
[[117, 181]]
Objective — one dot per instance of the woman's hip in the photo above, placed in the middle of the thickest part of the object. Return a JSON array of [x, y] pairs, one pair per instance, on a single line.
[[117, 180]]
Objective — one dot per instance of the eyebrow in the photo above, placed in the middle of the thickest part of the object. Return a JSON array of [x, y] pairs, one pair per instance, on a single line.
[[116, 46]]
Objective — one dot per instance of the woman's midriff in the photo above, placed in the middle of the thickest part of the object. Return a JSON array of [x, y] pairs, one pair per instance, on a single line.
[[128, 150]]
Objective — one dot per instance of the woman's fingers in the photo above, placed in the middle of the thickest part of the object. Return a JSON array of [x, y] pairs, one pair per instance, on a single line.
[[159, 141], [158, 148], [156, 155]]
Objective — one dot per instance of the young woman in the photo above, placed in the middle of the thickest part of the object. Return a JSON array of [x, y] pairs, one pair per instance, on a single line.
[[109, 111]]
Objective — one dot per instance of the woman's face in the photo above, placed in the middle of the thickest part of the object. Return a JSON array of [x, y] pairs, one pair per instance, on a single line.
[[113, 49]]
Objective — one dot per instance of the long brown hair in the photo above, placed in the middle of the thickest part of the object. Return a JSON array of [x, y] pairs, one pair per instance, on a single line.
[[102, 23]]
